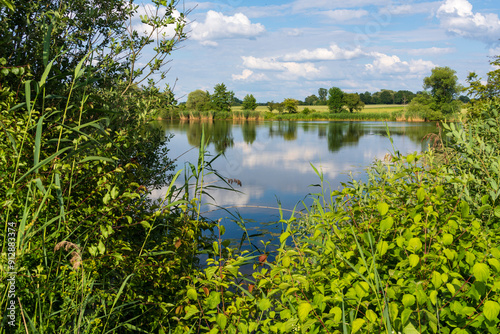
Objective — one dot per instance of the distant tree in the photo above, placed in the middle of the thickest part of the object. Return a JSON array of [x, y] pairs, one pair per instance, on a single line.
[[403, 97], [222, 98], [353, 102], [322, 94], [236, 101], [290, 105], [444, 87], [335, 99], [198, 100], [464, 99], [311, 100], [280, 107], [271, 106], [387, 96], [366, 97], [376, 98], [249, 102]]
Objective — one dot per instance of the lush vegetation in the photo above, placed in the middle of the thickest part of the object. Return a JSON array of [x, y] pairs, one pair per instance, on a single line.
[[413, 249]]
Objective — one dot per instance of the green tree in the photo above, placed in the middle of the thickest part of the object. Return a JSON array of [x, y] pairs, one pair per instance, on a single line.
[[198, 100], [322, 94], [386, 96], [311, 100], [403, 97], [335, 99], [290, 105], [222, 99], [366, 97], [271, 106], [353, 102], [491, 90], [249, 102], [444, 87]]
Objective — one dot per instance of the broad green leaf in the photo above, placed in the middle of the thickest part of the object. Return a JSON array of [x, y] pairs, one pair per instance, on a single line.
[[192, 294], [243, 328], [190, 311], [285, 261], [264, 304], [357, 324], [337, 311], [284, 236], [405, 315], [408, 300], [213, 300], [421, 194], [464, 209], [303, 311], [362, 289], [410, 329], [221, 320], [101, 247], [436, 279], [414, 245], [447, 239], [414, 260], [382, 208], [382, 247], [491, 310], [451, 288], [386, 224], [481, 271], [371, 316]]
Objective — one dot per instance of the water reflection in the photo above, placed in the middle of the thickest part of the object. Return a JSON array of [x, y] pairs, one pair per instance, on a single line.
[[273, 159]]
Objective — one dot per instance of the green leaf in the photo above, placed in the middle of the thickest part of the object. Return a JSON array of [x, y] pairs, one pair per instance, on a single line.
[[213, 300], [481, 271], [243, 328], [409, 329], [371, 316], [382, 208], [101, 247], [406, 315], [284, 236], [491, 310], [357, 324], [192, 294], [451, 288], [303, 311], [414, 260], [464, 209], [447, 239], [264, 304], [386, 224], [221, 320], [382, 247], [421, 194], [436, 279], [408, 300], [190, 311], [414, 245]]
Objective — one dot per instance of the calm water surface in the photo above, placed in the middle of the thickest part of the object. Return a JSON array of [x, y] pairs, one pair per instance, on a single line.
[[272, 160]]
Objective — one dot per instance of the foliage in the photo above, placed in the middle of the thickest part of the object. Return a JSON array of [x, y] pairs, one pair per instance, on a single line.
[[444, 86], [322, 95], [249, 102], [353, 102], [311, 100], [335, 100], [198, 100], [290, 105], [221, 99]]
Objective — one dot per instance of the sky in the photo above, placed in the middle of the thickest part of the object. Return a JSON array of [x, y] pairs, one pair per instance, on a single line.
[[289, 49]]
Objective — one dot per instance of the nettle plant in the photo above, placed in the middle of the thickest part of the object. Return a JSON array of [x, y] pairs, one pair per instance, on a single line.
[[401, 253]]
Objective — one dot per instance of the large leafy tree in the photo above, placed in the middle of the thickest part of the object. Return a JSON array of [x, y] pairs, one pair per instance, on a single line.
[[335, 99], [443, 84], [198, 100], [311, 100], [222, 98], [290, 105], [353, 102], [322, 94], [249, 102]]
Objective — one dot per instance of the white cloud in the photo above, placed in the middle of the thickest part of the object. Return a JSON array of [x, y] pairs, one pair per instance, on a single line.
[[219, 26], [300, 5], [288, 69], [333, 53], [457, 17], [413, 8], [430, 51], [248, 75], [385, 64], [341, 15]]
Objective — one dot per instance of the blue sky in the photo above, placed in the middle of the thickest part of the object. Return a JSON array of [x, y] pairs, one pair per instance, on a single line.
[[281, 49]]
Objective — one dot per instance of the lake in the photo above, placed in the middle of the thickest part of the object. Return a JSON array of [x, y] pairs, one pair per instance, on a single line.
[[269, 162]]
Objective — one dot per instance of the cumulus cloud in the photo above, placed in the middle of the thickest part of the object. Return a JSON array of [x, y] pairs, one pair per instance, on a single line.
[[413, 8], [333, 53], [288, 69], [249, 75], [341, 15], [219, 26], [457, 17], [385, 64]]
